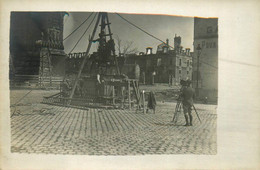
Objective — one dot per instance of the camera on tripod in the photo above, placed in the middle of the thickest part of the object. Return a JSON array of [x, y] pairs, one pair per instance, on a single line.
[[178, 107]]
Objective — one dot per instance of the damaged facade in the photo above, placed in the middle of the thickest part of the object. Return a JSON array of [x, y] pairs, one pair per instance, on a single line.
[[167, 65], [36, 45]]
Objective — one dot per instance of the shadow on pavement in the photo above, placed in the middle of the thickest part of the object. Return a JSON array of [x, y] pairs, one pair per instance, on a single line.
[[167, 124]]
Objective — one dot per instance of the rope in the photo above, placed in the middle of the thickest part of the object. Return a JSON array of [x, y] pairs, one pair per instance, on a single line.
[[142, 29], [18, 102], [207, 63], [78, 27], [23, 97], [83, 34]]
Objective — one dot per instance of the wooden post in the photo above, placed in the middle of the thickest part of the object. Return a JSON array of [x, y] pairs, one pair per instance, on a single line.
[[138, 92], [59, 99], [136, 95], [129, 95], [113, 93], [49, 65], [144, 77], [143, 101], [122, 96]]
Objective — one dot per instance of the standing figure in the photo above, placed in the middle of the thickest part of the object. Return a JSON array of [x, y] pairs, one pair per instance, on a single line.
[[187, 95], [151, 102], [66, 87], [99, 85]]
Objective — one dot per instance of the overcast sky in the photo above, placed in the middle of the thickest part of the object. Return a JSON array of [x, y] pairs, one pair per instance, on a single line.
[[160, 26]]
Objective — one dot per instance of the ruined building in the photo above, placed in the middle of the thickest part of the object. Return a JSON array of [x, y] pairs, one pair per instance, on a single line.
[[205, 61], [36, 45], [167, 65]]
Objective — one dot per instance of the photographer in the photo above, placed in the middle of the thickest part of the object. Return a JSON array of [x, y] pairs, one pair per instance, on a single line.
[[187, 96]]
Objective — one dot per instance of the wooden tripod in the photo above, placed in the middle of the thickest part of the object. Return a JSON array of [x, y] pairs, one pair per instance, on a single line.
[[178, 110]]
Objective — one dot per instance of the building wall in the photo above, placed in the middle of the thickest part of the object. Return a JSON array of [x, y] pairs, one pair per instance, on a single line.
[[28, 28], [206, 35], [166, 66], [23, 35], [183, 69]]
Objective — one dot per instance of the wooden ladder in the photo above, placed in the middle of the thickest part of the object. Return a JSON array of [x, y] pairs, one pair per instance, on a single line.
[[139, 95], [45, 67]]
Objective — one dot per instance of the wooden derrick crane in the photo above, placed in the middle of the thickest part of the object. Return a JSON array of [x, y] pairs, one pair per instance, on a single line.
[[116, 86], [103, 49]]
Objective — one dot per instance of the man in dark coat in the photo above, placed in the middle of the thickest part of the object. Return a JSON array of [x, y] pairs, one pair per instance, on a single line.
[[187, 95], [151, 102]]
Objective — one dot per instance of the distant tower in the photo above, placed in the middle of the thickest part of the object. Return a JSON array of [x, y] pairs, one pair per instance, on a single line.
[[177, 42], [167, 42], [166, 47]]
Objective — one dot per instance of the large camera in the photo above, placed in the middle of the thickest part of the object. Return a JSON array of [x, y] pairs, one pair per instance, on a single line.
[[182, 83], [185, 83]]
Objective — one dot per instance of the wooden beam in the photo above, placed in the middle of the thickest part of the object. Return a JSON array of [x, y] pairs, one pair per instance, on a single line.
[[129, 95], [85, 57], [143, 101], [114, 54], [113, 94], [136, 93]]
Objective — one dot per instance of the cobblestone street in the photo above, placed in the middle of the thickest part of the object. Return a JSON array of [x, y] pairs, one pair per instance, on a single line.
[[41, 128]]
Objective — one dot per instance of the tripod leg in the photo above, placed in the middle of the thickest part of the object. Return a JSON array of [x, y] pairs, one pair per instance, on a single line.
[[196, 113], [178, 109], [175, 112]]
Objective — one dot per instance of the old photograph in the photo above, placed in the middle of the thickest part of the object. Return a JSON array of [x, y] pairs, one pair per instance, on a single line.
[[100, 83]]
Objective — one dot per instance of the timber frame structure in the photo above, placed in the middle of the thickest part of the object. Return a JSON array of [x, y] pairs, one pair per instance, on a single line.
[[118, 91]]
